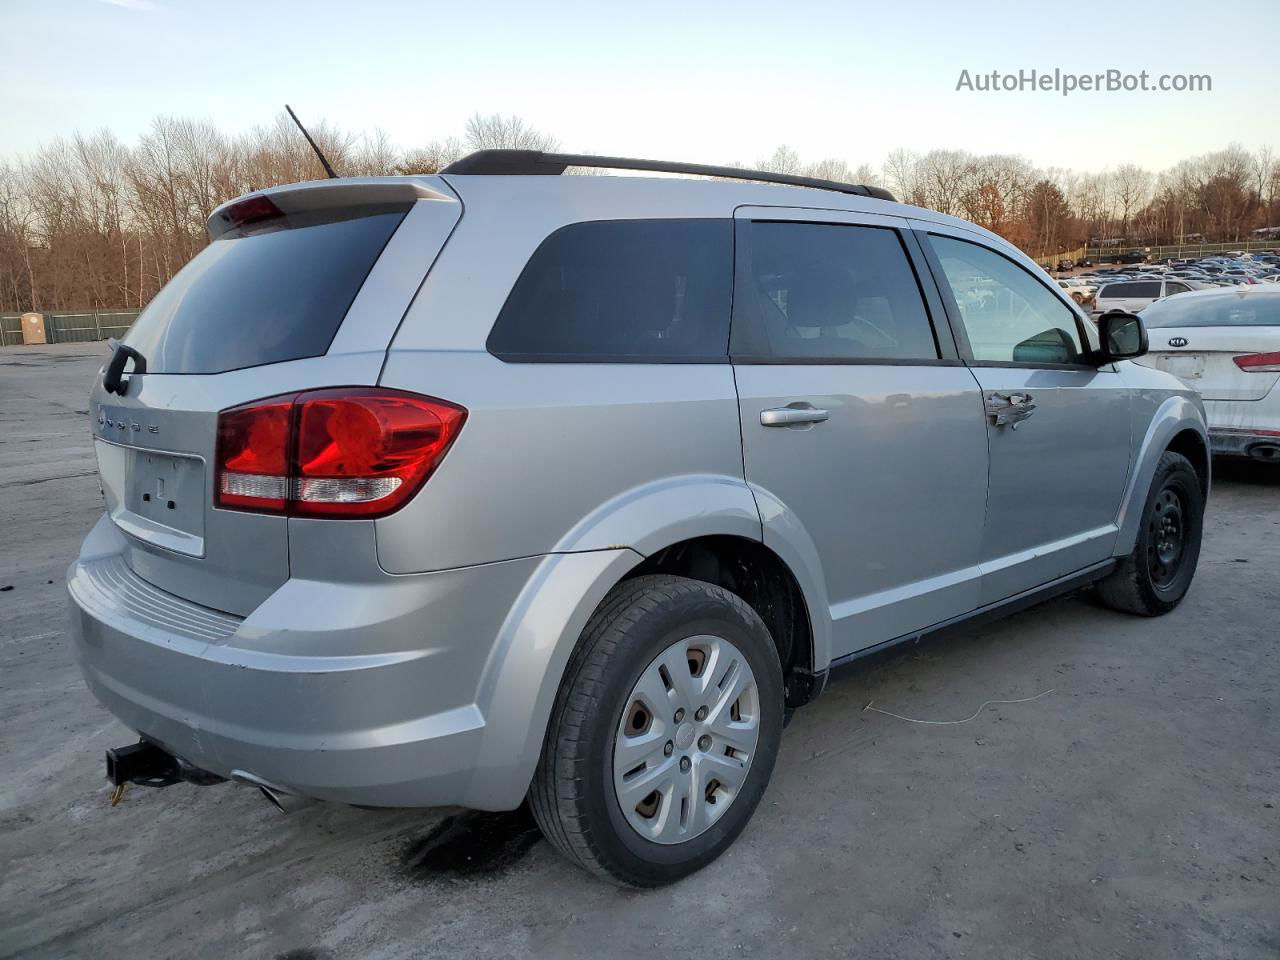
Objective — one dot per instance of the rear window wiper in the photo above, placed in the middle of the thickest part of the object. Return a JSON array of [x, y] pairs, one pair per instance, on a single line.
[[113, 378]]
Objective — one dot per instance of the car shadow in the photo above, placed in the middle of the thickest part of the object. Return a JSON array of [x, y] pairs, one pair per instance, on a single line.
[[1238, 470]]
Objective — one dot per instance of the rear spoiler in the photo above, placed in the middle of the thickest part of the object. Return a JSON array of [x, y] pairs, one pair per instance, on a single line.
[[330, 195]]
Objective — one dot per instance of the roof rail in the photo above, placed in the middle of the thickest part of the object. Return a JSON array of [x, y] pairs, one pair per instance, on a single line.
[[537, 163]]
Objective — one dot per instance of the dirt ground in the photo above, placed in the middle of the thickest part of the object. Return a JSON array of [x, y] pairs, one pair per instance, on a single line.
[[1131, 812]]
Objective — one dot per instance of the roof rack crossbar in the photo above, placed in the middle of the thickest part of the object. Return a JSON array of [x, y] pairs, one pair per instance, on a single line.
[[537, 163]]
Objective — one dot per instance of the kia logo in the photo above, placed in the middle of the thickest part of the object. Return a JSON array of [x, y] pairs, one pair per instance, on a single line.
[[1177, 341]]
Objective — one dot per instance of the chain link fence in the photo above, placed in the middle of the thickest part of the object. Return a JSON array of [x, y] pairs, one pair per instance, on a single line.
[[1188, 250], [70, 326]]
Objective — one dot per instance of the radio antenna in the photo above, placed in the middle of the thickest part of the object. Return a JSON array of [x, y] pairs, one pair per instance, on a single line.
[[323, 162]]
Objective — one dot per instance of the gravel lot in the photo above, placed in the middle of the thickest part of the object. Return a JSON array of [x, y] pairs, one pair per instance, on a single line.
[[1132, 812]]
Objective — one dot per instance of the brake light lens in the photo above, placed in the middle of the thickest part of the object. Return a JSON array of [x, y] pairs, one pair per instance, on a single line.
[[1259, 362], [250, 209], [348, 452]]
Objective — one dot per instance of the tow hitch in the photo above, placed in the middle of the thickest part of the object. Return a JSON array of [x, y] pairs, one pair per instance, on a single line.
[[148, 765]]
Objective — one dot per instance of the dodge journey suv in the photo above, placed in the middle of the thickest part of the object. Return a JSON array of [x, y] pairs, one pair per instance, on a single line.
[[500, 485]]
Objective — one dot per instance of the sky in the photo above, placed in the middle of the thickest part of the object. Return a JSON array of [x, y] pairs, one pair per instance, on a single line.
[[710, 82]]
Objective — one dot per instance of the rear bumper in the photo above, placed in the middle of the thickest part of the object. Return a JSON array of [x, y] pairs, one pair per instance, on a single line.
[[360, 693], [1239, 428], [1242, 442]]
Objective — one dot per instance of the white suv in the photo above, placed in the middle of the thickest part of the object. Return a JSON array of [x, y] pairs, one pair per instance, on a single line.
[[1134, 295]]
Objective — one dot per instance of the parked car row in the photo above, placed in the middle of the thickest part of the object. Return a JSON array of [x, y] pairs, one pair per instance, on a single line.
[[1135, 289]]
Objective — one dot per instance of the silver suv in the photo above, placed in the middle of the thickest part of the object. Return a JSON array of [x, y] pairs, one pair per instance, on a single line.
[[499, 484]]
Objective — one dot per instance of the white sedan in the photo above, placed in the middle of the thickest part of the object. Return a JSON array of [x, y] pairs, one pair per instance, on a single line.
[[1225, 343]]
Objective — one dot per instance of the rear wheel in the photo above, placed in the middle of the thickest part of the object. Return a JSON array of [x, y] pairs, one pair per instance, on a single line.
[[1153, 579], [664, 732]]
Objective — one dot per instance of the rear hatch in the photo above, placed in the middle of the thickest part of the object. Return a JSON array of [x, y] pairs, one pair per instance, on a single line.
[[301, 287]]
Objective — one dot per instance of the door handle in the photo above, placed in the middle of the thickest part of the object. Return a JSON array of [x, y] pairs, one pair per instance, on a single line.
[[1009, 408], [791, 416]]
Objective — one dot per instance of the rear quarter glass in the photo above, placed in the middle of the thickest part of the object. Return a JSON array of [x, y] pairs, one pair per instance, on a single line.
[[622, 291], [270, 292]]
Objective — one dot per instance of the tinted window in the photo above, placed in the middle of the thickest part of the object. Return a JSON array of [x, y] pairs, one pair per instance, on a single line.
[[1221, 310], [1007, 314], [1171, 288], [622, 290], [829, 291], [1139, 290], [276, 291]]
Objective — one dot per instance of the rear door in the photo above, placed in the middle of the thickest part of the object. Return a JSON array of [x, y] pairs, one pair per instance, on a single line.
[[305, 297], [1057, 427], [861, 429]]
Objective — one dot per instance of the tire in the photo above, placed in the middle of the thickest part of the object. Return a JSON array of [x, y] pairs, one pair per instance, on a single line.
[[1144, 583], [574, 795], [1078, 297]]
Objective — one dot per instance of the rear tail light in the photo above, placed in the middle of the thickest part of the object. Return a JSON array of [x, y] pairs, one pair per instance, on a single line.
[[348, 452], [1259, 362]]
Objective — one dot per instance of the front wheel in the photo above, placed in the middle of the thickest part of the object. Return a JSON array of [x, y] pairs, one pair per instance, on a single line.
[[1153, 579], [663, 734]]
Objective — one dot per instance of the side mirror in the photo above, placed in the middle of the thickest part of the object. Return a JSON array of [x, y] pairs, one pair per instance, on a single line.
[[1049, 346], [1123, 336]]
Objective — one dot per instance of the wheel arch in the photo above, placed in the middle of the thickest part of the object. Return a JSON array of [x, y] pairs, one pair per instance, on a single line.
[[754, 572], [1178, 425], [706, 528], [1195, 448]]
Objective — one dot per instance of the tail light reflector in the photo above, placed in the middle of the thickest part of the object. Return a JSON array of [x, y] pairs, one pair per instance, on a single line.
[[1259, 362], [347, 452]]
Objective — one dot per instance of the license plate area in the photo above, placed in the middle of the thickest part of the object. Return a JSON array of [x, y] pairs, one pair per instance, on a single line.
[[155, 497], [1183, 366]]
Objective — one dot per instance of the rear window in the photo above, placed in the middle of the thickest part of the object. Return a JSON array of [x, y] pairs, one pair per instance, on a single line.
[[268, 293], [622, 291], [1231, 310]]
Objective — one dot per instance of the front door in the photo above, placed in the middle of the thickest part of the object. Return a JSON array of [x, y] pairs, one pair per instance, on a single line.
[[862, 431], [1058, 427]]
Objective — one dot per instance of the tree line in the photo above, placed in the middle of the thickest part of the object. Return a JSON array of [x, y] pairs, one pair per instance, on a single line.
[[92, 222]]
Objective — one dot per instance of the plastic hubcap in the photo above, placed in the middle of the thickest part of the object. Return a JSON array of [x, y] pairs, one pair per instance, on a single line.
[[675, 774]]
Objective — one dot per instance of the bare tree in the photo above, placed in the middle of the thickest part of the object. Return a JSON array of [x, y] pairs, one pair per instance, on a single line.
[[432, 158], [90, 221], [493, 131], [783, 160], [901, 170], [1132, 186], [944, 176]]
